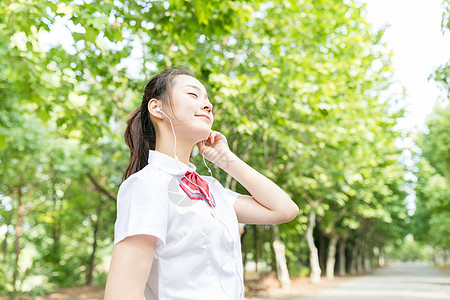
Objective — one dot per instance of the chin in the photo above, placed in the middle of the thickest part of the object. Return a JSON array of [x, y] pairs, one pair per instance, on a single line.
[[197, 134], [205, 135]]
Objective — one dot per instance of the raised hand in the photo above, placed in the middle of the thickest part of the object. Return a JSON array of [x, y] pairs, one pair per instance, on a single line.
[[215, 149]]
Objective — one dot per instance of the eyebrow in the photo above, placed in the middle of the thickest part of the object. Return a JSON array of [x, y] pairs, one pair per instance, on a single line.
[[197, 88]]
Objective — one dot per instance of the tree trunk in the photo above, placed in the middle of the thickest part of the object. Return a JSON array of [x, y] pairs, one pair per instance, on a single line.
[[367, 260], [242, 229], [354, 261], [341, 248], [20, 215], [273, 260], [89, 277], [322, 250], [375, 256], [56, 247], [90, 274], [331, 258], [56, 227], [244, 247], [280, 257], [438, 257], [381, 258], [313, 253], [5, 244], [359, 261], [255, 247]]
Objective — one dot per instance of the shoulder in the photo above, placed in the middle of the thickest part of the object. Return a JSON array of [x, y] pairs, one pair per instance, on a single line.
[[212, 182], [147, 179], [148, 175], [217, 187]]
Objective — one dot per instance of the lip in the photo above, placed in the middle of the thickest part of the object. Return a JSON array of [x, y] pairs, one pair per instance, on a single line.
[[204, 116]]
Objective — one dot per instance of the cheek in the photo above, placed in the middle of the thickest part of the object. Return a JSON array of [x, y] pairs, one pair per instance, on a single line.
[[186, 106], [183, 111]]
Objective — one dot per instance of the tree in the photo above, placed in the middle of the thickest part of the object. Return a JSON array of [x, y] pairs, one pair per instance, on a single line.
[[432, 168], [432, 213], [295, 86]]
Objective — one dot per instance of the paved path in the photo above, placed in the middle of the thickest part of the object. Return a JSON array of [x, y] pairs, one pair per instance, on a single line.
[[410, 281]]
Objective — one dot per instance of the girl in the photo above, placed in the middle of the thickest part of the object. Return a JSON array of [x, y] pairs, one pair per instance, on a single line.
[[176, 234]]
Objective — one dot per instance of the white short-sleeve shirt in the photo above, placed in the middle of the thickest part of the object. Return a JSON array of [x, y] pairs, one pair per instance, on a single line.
[[198, 251]]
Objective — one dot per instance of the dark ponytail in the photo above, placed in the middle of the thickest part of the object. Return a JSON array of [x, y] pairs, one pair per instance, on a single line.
[[140, 134]]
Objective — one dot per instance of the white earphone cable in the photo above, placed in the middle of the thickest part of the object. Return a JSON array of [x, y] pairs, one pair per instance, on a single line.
[[203, 154], [210, 172], [175, 146]]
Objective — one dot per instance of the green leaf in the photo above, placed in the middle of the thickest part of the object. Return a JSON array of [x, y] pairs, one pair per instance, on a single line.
[[91, 34]]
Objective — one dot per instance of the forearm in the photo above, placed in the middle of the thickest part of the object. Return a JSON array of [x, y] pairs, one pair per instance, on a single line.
[[262, 189]]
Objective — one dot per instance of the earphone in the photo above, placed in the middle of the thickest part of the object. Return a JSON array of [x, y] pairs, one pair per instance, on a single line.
[[174, 136], [158, 109]]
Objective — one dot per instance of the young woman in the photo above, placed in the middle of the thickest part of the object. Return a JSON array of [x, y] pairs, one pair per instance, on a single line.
[[176, 233]]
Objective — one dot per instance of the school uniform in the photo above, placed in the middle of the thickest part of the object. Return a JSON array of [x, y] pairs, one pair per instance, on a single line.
[[198, 252]]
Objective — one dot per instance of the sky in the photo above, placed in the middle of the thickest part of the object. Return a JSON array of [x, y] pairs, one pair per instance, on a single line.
[[419, 47], [414, 35]]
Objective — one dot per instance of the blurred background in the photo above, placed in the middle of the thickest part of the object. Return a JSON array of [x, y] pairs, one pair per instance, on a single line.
[[310, 93]]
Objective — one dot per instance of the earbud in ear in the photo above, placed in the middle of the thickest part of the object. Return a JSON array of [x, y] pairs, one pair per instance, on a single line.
[[158, 109]]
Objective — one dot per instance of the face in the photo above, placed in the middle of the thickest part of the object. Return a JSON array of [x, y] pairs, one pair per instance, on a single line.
[[192, 108]]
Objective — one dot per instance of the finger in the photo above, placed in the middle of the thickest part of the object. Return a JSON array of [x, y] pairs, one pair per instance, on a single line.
[[200, 146], [217, 136], [206, 140]]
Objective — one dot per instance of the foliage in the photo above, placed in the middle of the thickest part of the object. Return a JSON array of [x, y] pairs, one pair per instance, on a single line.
[[296, 86], [410, 250], [432, 216]]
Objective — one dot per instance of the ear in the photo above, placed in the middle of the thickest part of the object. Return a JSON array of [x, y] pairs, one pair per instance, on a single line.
[[152, 105]]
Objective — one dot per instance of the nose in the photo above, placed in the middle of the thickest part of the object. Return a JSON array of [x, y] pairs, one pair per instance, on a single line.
[[208, 107]]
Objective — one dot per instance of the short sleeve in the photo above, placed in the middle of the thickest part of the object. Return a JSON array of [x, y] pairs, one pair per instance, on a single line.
[[141, 209], [229, 195]]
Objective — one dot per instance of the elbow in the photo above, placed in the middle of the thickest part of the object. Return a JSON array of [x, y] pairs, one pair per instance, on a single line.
[[293, 212], [290, 212]]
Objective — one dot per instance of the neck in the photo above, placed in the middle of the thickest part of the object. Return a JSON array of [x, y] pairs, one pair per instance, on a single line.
[[183, 150]]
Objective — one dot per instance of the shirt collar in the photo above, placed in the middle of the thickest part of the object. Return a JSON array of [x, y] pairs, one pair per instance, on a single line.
[[169, 164]]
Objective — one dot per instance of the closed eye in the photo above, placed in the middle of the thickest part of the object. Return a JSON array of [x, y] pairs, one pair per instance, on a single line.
[[193, 94]]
